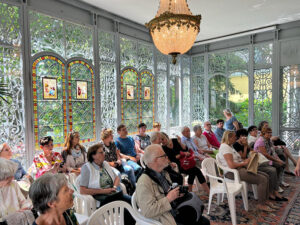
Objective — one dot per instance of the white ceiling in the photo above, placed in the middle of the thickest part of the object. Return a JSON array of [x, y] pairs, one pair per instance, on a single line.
[[219, 17]]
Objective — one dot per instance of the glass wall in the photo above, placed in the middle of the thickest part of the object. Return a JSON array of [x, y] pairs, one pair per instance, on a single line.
[[12, 129]]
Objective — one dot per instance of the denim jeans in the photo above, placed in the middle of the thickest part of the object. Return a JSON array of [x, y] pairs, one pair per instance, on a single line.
[[137, 169], [130, 173]]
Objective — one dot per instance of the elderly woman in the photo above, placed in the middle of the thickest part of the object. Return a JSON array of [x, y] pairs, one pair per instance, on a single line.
[[98, 179], [232, 159], [47, 161], [265, 146], [231, 122], [142, 139], [6, 153], [52, 198], [113, 156], [202, 143], [11, 197], [74, 153], [177, 152]]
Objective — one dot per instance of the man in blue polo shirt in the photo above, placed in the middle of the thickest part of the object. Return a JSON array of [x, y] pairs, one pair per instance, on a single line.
[[127, 148]]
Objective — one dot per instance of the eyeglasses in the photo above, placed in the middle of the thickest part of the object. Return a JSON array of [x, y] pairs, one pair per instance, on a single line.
[[162, 156], [100, 153]]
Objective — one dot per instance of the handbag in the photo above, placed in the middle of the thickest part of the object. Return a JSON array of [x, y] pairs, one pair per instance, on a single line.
[[187, 162]]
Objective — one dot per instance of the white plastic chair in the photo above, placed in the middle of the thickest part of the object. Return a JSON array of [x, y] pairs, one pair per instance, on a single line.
[[235, 172], [219, 186], [113, 214], [84, 204], [137, 211]]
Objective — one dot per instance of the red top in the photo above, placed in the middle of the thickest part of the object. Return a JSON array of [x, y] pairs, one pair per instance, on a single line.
[[212, 139]]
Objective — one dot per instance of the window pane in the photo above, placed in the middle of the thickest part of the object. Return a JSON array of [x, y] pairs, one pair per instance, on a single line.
[[262, 95], [47, 34], [217, 63], [197, 99], [238, 96], [107, 51], [145, 56], [12, 112], [217, 97], [174, 100], [128, 53], [161, 114]]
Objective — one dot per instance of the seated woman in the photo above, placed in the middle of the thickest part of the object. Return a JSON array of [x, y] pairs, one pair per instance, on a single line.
[[113, 156], [230, 158], [177, 153], [11, 197], [264, 146], [98, 179], [202, 143], [47, 161], [52, 198], [6, 153], [74, 153], [142, 139], [241, 144]]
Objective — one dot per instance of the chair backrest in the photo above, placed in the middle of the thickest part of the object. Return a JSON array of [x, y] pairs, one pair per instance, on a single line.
[[77, 183], [142, 161], [209, 165], [113, 214], [137, 210], [227, 169]]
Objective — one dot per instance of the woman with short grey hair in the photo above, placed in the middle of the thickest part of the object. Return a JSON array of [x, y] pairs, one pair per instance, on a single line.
[[52, 198], [155, 137], [11, 197]]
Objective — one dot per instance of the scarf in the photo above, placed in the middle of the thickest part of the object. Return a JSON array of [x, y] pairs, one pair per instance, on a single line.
[[269, 147], [76, 152]]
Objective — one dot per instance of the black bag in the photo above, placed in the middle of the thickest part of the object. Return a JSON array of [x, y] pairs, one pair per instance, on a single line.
[[129, 186], [188, 209]]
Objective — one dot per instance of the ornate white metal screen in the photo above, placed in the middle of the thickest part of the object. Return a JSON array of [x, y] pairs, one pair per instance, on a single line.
[[12, 111]]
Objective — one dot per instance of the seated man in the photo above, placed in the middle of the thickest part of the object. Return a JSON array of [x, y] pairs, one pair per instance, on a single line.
[[154, 194], [220, 130], [211, 137], [190, 144], [127, 148]]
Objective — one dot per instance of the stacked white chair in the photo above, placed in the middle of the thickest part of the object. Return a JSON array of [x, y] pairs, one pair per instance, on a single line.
[[219, 186], [113, 214]]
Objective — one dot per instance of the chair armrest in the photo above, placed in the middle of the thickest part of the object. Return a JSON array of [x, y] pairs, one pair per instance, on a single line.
[[234, 171], [88, 203]]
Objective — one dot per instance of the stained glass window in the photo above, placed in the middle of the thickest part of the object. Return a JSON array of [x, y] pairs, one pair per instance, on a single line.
[[82, 100], [12, 113], [130, 99], [263, 83], [48, 79]]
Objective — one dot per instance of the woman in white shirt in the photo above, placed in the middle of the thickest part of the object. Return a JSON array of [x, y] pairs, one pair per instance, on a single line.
[[11, 197], [232, 159]]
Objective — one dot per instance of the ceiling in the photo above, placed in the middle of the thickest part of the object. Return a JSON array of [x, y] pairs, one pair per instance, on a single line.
[[219, 17]]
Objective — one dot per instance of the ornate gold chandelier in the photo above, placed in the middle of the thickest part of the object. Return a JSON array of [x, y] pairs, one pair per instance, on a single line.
[[174, 29]]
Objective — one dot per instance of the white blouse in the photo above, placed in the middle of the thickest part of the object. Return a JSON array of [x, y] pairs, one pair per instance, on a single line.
[[201, 142], [226, 149], [12, 200]]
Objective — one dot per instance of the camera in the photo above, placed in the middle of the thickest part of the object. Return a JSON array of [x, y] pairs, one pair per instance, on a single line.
[[61, 165], [182, 189]]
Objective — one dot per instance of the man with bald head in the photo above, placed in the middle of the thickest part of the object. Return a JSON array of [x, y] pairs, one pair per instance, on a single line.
[[154, 194], [210, 135]]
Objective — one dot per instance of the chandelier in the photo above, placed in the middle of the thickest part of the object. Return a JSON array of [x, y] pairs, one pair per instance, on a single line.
[[174, 29]]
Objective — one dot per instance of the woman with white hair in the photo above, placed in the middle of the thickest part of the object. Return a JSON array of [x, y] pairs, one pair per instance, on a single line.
[[231, 121], [52, 198], [11, 197]]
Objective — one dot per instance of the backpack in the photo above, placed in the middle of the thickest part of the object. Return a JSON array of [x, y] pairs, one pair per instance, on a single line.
[[129, 186]]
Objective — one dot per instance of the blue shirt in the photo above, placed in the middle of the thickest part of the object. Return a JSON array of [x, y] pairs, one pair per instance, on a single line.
[[219, 133], [229, 123], [20, 171], [190, 144], [126, 146]]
